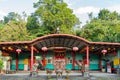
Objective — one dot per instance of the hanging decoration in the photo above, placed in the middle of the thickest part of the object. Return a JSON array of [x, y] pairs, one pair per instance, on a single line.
[[18, 50], [10, 48], [104, 51], [26, 47], [59, 55], [3, 48], [44, 48], [60, 50], [75, 48]]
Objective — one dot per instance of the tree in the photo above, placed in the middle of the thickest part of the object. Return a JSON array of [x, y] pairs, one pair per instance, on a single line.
[[105, 14], [34, 27], [14, 31], [11, 16], [1, 26], [90, 15], [105, 27], [13, 28], [52, 14]]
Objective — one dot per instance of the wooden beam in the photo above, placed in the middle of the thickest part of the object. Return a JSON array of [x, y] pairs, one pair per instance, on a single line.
[[35, 49]]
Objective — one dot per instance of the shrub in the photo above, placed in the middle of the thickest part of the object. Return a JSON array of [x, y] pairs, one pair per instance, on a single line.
[[1, 64]]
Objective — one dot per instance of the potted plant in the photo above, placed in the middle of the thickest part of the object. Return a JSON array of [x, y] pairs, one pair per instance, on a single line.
[[67, 71], [49, 72]]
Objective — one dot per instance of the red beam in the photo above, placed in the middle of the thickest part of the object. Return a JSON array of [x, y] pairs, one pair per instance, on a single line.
[[32, 51], [16, 61], [87, 56]]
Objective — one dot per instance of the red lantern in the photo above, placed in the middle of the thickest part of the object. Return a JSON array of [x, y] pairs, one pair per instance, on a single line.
[[104, 51], [18, 50], [44, 48], [75, 48]]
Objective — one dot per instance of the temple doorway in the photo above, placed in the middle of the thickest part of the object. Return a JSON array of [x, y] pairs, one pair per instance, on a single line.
[[59, 60]]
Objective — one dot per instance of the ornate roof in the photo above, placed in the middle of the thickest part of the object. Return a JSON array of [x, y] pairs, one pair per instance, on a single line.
[[52, 41]]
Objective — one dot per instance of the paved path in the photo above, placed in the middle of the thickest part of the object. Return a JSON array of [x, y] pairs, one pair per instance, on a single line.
[[72, 76]]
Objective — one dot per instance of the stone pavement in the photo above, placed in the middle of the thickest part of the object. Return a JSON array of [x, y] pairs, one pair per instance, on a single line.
[[72, 76]]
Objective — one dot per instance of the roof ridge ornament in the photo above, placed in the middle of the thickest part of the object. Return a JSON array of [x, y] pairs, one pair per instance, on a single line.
[[58, 30]]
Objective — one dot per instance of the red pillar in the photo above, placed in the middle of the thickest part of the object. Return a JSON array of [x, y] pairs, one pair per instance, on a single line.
[[16, 61], [31, 58], [87, 56]]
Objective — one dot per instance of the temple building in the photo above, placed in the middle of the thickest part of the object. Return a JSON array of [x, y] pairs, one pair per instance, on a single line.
[[60, 50]]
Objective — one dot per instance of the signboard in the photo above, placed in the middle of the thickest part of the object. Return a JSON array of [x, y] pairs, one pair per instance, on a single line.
[[116, 61], [25, 61]]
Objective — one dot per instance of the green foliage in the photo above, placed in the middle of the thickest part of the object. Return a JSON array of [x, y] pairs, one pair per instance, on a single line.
[[105, 27], [13, 28], [33, 25], [1, 64], [1, 26], [105, 14], [49, 15], [11, 16], [14, 31]]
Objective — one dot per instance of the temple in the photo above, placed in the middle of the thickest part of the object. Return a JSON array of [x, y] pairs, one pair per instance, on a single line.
[[59, 50]]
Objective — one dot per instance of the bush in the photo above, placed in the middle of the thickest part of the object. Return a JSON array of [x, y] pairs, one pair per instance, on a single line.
[[1, 64]]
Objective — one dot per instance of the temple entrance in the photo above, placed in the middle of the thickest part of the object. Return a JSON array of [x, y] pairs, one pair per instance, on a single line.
[[59, 60]]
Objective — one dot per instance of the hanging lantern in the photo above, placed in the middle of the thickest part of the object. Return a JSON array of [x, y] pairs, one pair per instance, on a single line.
[[75, 48], [104, 51], [3, 48], [26, 47], [10, 48], [18, 50], [93, 47], [44, 48]]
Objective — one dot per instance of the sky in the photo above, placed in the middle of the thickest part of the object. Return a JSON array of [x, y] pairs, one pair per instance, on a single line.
[[80, 8]]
